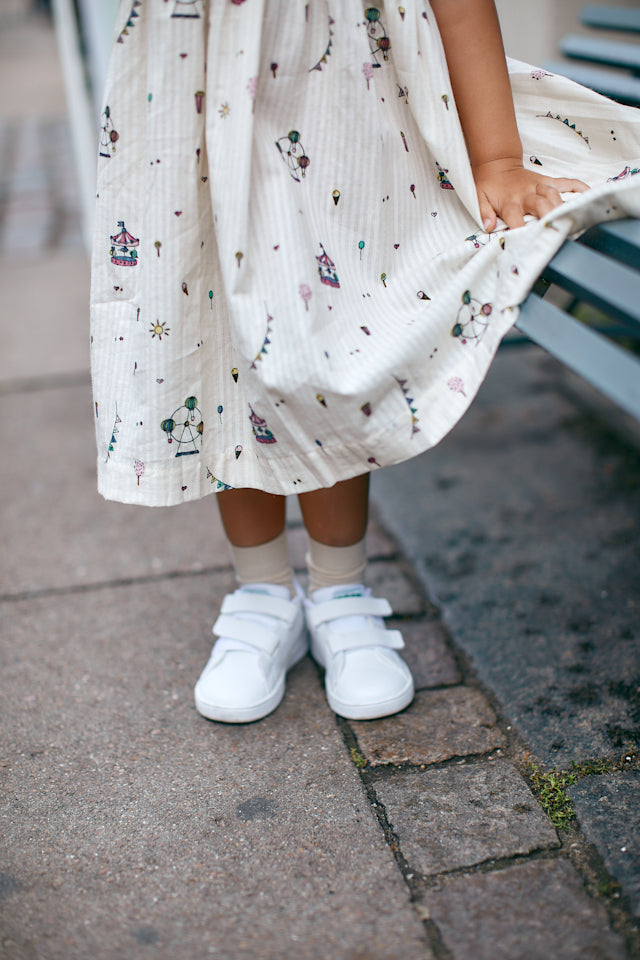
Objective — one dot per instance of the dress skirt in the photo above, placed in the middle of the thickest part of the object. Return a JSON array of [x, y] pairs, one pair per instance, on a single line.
[[291, 284]]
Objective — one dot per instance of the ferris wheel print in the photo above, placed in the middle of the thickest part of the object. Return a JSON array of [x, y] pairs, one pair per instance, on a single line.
[[185, 427], [472, 320]]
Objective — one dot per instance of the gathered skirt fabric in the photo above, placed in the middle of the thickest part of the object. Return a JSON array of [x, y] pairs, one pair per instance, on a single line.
[[291, 284]]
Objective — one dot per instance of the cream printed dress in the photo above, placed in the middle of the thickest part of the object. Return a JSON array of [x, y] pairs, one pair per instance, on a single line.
[[291, 283]]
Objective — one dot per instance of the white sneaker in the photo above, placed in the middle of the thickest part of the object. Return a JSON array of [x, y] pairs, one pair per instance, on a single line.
[[365, 678], [262, 634]]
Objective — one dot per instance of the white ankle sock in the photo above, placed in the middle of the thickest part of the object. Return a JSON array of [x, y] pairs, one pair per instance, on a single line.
[[267, 563], [332, 566]]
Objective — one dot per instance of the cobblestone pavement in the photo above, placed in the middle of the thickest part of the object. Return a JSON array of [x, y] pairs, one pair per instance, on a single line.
[[132, 827]]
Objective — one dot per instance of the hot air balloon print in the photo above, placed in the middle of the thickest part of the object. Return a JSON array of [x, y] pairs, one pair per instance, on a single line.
[[379, 42], [293, 153]]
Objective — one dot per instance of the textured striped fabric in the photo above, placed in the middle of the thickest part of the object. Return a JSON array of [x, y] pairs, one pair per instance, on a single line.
[[291, 285]]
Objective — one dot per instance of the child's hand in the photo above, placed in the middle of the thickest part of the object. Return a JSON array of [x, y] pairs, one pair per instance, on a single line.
[[509, 191]]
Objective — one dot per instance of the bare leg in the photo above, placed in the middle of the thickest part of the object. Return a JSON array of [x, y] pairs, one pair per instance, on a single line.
[[337, 516], [251, 517]]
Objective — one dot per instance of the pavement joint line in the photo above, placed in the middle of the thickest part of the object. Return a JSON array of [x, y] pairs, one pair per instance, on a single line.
[[387, 771], [76, 588], [52, 381], [572, 846]]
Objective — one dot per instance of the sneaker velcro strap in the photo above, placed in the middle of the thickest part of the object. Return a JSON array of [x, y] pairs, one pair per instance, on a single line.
[[247, 632], [347, 607], [245, 602], [356, 639]]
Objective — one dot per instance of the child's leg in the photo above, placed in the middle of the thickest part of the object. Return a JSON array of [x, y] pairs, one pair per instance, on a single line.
[[336, 522], [365, 677], [254, 525], [251, 517], [337, 516], [260, 630]]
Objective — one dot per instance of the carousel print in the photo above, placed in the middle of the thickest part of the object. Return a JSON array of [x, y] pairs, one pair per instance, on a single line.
[[108, 135], [472, 319], [123, 247], [627, 172], [185, 427], [259, 427], [409, 400], [443, 179], [186, 9], [265, 344], [327, 269], [379, 42], [292, 152]]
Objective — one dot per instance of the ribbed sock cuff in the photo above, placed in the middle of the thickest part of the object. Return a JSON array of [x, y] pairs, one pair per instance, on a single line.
[[332, 566], [267, 563]]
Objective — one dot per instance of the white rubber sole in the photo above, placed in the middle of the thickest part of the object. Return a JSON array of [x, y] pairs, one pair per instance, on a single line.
[[255, 711], [371, 711]]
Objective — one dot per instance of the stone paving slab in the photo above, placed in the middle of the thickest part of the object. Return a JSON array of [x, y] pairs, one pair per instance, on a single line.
[[460, 816], [389, 580], [522, 523], [608, 808], [130, 823], [438, 725], [51, 479], [426, 653], [533, 911], [45, 314], [30, 75]]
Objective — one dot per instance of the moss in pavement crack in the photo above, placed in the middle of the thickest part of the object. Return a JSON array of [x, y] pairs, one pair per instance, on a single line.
[[550, 786]]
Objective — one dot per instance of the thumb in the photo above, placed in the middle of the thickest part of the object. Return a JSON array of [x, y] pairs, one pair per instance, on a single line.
[[487, 214]]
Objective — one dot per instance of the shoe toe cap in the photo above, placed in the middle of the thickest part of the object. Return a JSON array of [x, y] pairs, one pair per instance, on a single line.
[[369, 676], [237, 680]]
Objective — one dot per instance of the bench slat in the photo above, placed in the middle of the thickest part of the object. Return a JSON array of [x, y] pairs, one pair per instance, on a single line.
[[598, 280], [624, 89], [608, 367], [613, 53], [619, 239], [611, 18]]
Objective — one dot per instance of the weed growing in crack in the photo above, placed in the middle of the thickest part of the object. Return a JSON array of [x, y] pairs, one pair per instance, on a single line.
[[359, 760]]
